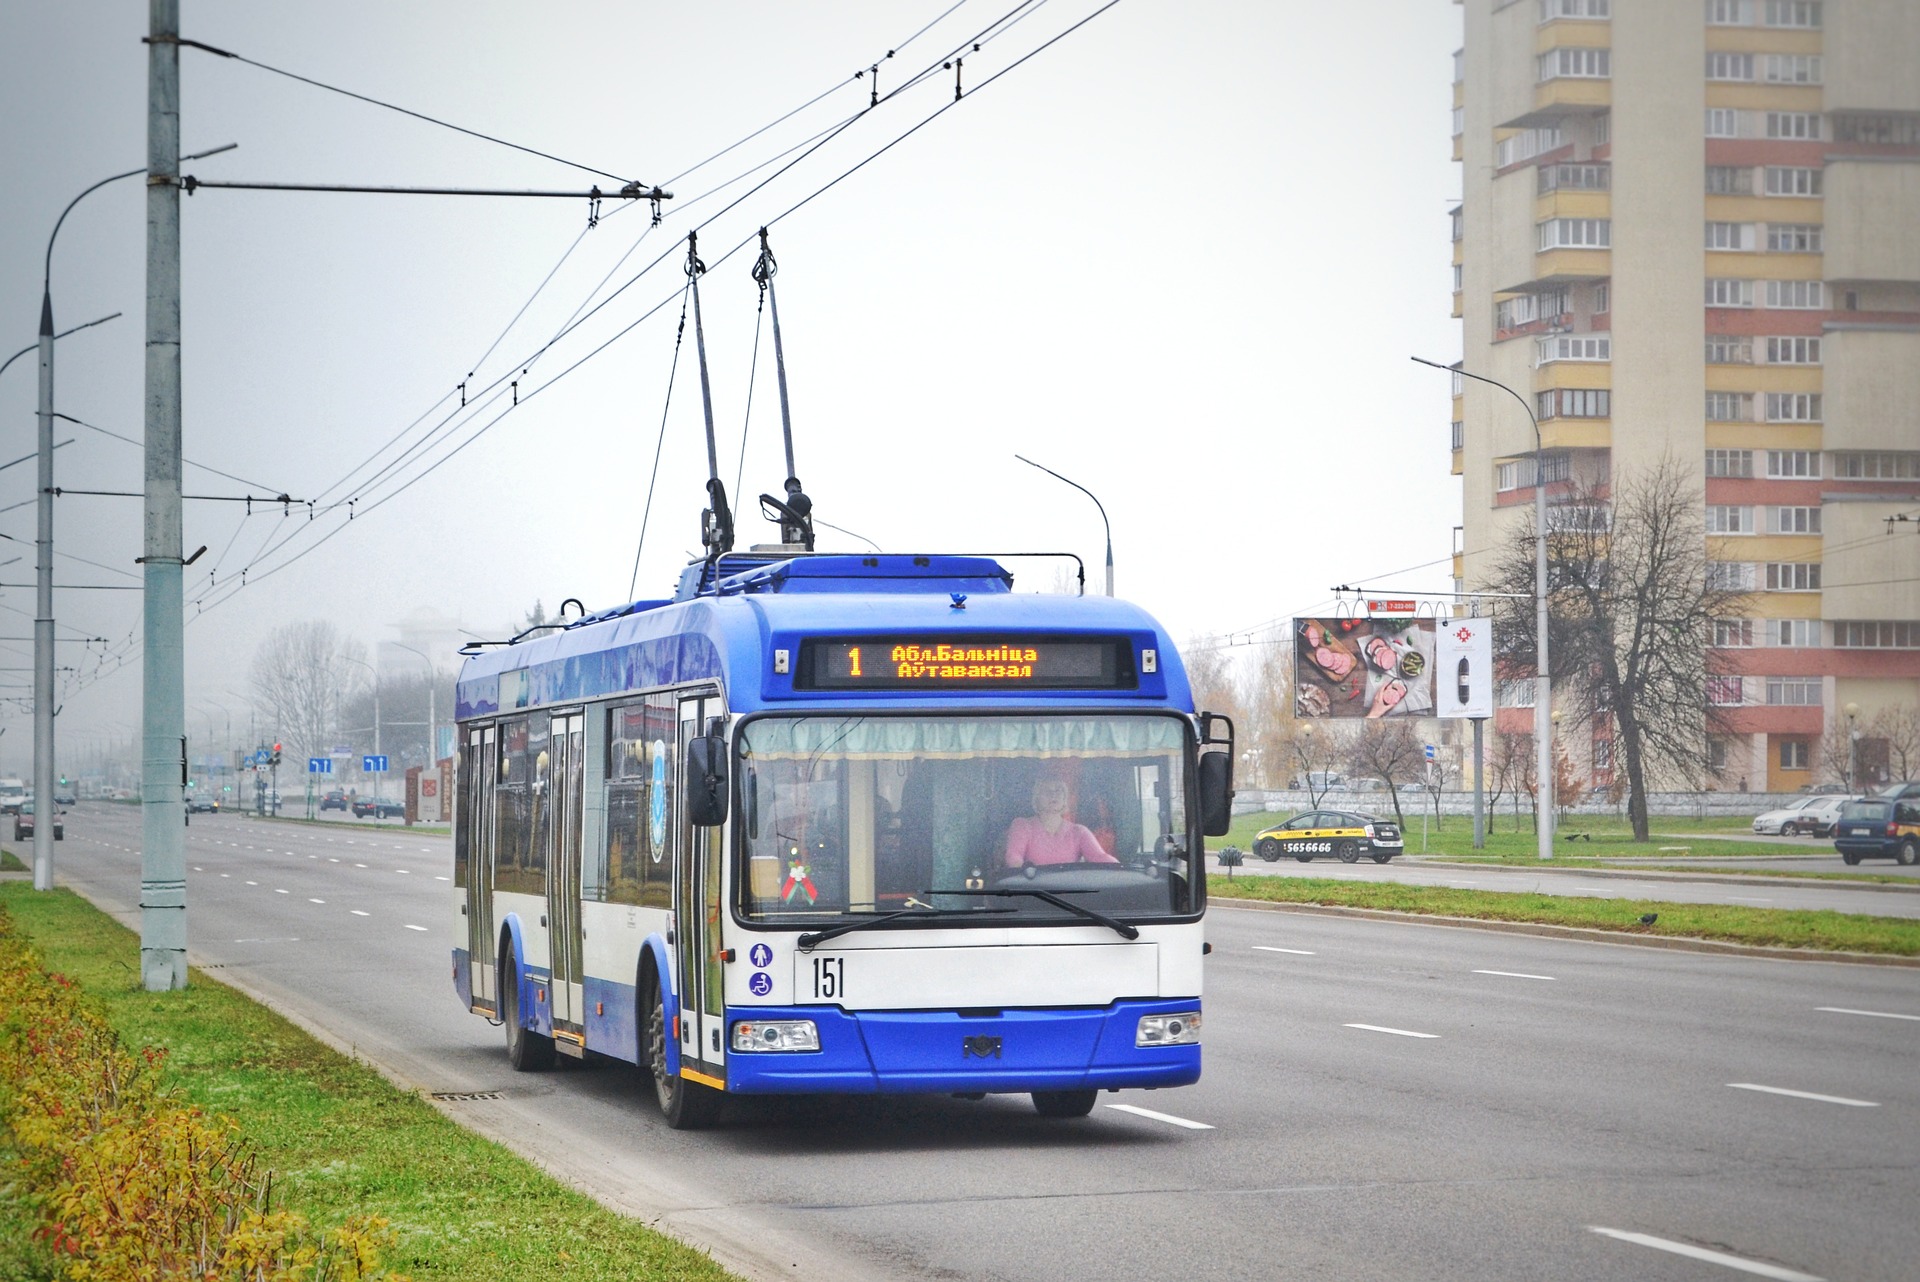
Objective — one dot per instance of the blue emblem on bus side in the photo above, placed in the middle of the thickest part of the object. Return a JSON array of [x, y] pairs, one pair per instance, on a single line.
[[761, 955], [761, 984], [657, 803]]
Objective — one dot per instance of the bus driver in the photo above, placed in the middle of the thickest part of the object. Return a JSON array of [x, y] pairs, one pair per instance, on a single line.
[[1049, 837]]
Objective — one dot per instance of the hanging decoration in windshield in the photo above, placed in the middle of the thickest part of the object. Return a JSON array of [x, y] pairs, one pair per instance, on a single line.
[[966, 662]]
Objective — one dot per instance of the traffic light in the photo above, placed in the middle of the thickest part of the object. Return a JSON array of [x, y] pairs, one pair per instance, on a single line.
[[276, 756]]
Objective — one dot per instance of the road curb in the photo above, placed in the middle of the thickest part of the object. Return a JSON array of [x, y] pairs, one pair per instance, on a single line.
[[1677, 943], [1712, 878]]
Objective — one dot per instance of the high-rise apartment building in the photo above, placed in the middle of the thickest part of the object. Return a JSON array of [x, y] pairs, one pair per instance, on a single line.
[[1691, 229]]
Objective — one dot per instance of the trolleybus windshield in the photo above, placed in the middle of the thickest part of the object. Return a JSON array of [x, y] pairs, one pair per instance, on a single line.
[[846, 817]]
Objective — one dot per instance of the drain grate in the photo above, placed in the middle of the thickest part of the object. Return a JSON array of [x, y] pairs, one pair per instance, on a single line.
[[464, 1097]]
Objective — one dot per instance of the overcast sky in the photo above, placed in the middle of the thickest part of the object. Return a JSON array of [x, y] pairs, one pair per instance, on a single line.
[[1181, 256]]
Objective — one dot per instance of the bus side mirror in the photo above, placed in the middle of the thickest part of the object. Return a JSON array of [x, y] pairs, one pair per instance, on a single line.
[[1216, 793], [707, 779]]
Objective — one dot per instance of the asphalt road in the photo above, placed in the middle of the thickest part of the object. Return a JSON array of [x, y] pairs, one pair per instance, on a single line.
[[1381, 1100]]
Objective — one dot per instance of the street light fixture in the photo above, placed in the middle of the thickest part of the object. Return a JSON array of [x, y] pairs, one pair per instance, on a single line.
[[433, 724], [1853, 743], [1096, 502], [1543, 684]]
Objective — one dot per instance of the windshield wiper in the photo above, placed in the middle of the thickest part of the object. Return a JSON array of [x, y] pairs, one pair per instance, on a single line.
[[1079, 910], [814, 938]]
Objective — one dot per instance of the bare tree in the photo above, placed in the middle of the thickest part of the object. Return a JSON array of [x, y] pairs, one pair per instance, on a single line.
[[1267, 696], [1389, 751], [1513, 772], [1634, 597], [1317, 747], [302, 675], [1900, 727], [1210, 677]]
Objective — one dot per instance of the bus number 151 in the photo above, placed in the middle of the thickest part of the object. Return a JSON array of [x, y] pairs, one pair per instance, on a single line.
[[829, 977]]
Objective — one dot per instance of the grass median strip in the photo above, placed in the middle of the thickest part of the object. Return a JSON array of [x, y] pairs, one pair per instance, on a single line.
[[1735, 924], [338, 1138]]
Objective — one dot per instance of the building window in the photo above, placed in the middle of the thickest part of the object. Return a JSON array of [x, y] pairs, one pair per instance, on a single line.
[[1511, 313], [1734, 463], [1793, 407], [1729, 293], [1575, 233], [1716, 754], [1793, 576], [1793, 520], [1729, 66], [1551, 9], [1793, 351], [1885, 634], [1794, 634], [1730, 576], [1555, 467], [1794, 238], [1732, 236], [1793, 754], [1793, 465], [1732, 634], [1725, 692], [1729, 13], [1729, 351], [1892, 131], [1729, 180], [1574, 347], [1793, 692], [1807, 295], [1602, 755], [1877, 467], [1457, 269], [1793, 180], [1729, 519], [1574, 178], [1512, 475], [1723, 122], [1602, 298], [1793, 13], [1526, 144], [1579, 518], [1790, 68], [1575, 64], [1459, 435], [1575, 402], [1730, 407], [1459, 223], [1801, 126]]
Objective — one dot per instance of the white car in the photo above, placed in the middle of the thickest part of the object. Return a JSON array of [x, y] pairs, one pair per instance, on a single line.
[[1814, 816]]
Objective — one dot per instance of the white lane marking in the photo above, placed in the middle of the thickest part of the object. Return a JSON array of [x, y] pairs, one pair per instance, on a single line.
[[278, 891], [411, 926], [332, 860], [1549, 634], [448, 879], [1745, 899], [228, 874], [198, 868], [1269, 948], [1836, 1010], [316, 856], [358, 913], [1168, 1118], [1512, 974], [322, 901], [1397, 1032], [1824, 1099], [405, 872], [255, 883], [1711, 1257]]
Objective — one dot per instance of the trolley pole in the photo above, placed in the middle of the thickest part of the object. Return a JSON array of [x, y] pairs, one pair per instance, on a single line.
[[45, 807], [163, 859]]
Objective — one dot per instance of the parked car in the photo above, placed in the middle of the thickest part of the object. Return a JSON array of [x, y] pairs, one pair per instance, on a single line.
[[335, 800], [23, 823], [378, 808], [65, 799], [1899, 791], [1344, 834], [1879, 828], [1827, 789], [1774, 821], [1818, 820]]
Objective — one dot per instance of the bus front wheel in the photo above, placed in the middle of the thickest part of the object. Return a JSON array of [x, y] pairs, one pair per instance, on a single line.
[[527, 1051], [687, 1105], [1064, 1103]]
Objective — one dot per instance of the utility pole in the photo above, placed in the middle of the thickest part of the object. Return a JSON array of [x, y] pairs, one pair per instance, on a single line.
[[163, 859], [43, 802]]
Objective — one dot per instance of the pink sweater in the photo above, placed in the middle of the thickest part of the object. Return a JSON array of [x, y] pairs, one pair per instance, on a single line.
[[1029, 843]]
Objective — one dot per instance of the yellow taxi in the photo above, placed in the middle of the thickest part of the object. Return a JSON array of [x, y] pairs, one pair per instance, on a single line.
[[1344, 834]]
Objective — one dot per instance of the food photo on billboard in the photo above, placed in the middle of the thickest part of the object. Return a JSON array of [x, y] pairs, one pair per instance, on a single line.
[[1363, 667]]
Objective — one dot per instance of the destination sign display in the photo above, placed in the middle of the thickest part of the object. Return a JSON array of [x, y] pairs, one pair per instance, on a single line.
[[968, 662]]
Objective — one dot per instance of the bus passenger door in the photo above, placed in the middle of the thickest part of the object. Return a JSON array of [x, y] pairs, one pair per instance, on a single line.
[[697, 915], [565, 758], [483, 752]]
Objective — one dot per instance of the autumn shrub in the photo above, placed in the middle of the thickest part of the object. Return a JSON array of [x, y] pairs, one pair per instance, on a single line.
[[124, 1182]]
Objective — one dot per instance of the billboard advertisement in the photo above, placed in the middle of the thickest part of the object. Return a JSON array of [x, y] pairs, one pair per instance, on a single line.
[[1463, 675], [1363, 668]]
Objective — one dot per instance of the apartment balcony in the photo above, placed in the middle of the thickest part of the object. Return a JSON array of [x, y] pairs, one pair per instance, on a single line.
[[1553, 267]]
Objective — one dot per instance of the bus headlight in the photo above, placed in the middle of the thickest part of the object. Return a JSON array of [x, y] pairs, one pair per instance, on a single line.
[[775, 1035], [1168, 1030]]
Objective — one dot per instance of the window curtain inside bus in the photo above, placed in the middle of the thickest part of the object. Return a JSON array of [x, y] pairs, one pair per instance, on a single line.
[[974, 736]]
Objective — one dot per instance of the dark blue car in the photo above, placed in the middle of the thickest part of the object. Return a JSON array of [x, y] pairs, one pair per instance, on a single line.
[[1879, 828]]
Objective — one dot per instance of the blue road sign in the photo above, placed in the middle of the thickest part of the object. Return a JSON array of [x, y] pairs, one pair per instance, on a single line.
[[1429, 752], [374, 765], [319, 765]]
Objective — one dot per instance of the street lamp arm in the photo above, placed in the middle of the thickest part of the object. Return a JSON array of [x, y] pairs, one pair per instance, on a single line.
[[46, 279], [62, 334], [1096, 502], [1454, 369]]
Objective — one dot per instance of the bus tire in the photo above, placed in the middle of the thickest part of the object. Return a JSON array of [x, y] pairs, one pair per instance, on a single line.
[[1269, 850], [527, 1051], [1348, 852], [687, 1105], [1064, 1103]]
